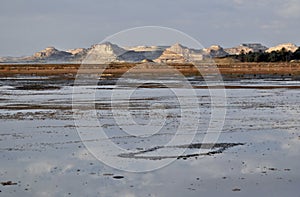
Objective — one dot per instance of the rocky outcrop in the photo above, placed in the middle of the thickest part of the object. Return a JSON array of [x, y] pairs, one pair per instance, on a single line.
[[104, 53], [78, 51], [107, 48], [180, 50], [14, 59], [214, 51], [108, 52], [238, 50], [152, 55], [246, 48], [131, 56], [149, 52], [170, 57], [255, 47], [51, 53], [287, 46], [147, 61], [146, 48], [178, 53]]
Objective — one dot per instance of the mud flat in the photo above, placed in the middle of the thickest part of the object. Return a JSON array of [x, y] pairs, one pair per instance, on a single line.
[[41, 153]]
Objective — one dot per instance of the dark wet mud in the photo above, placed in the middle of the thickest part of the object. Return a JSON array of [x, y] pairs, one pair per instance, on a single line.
[[217, 148]]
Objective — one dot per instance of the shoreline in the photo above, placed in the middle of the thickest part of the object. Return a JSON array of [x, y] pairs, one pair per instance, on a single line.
[[239, 70]]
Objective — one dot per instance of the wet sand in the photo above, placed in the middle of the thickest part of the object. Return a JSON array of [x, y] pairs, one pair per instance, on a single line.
[[257, 152]]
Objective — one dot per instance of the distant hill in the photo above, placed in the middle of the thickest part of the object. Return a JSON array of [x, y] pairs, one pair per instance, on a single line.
[[215, 51], [246, 48], [288, 46], [108, 52]]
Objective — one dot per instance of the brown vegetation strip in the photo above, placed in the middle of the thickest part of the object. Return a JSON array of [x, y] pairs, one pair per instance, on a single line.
[[120, 68]]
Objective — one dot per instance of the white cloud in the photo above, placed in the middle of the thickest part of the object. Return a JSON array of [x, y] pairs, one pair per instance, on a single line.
[[273, 25], [84, 155], [39, 168]]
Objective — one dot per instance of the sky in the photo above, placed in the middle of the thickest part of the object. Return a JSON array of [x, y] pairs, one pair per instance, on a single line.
[[30, 26]]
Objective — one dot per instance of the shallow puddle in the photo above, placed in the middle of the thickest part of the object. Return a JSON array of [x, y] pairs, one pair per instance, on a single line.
[[257, 152]]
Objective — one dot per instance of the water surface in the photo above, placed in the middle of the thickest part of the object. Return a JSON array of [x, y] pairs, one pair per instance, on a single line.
[[256, 154]]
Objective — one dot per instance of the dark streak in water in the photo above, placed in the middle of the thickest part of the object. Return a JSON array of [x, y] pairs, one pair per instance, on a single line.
[[248, 87], [214, 149], [37, 87]]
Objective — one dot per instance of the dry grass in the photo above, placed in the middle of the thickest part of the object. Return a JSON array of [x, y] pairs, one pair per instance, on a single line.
[[224, 67]]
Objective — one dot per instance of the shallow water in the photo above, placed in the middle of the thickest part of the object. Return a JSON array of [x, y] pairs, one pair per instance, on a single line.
[[257, 152]]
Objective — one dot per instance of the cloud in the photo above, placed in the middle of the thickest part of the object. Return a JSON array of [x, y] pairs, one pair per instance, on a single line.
[[273, 25], [84, 155], [39, 168]]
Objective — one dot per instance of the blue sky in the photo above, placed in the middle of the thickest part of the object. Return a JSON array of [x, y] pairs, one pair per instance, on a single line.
[[31, 25]]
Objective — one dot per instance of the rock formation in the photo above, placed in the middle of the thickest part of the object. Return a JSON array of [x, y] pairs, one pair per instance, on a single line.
[[52, 54], [178, 53], [255, 47], [288, 46], [214, 51], [170, 57], [108, 52]]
